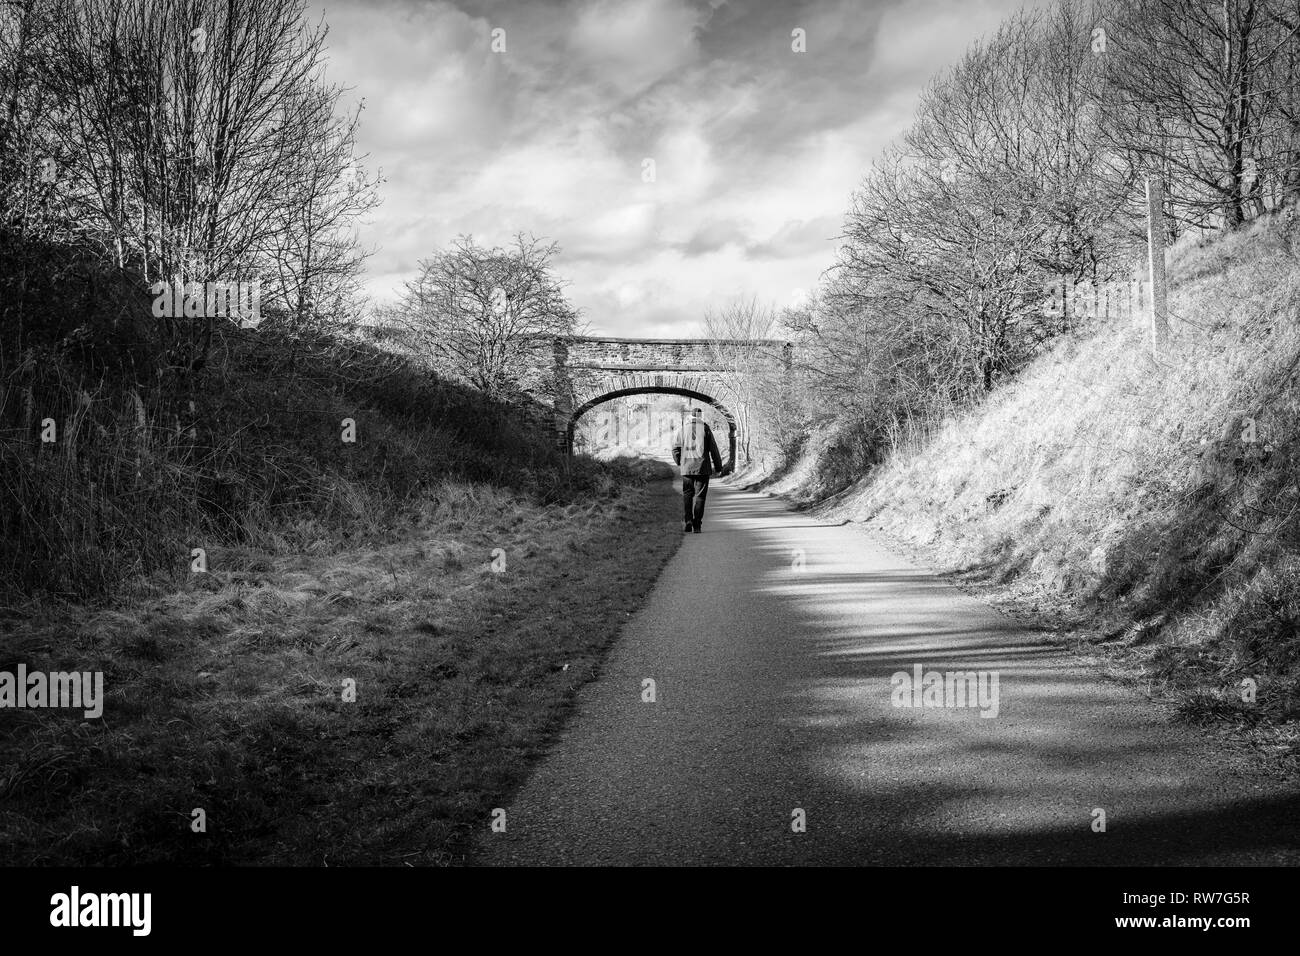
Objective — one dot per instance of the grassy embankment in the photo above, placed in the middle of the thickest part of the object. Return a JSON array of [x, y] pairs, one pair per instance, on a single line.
[[1129, 502], [327, 561]]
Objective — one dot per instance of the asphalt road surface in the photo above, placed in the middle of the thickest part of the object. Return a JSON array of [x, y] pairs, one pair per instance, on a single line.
[[772, 640]]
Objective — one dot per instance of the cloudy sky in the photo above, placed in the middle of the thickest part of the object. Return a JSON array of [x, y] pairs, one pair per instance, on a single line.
[[755, 147]]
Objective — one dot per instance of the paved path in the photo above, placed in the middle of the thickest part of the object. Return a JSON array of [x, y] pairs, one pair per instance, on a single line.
[[773, 688]]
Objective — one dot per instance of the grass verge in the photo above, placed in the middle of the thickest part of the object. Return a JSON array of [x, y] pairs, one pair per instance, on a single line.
[[1144, 506], [227, 694]]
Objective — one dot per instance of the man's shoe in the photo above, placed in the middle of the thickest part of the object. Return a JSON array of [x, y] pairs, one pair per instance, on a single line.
[[686, 529], [697, 529]]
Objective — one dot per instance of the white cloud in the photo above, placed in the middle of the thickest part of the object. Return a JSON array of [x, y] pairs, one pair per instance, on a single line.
[[631, 44], [756, 149]]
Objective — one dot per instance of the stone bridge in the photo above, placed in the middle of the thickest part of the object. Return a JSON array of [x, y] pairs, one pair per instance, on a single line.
[[590, 370]]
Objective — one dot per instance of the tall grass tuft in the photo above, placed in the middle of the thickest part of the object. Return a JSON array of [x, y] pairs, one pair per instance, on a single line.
[[148, 461]]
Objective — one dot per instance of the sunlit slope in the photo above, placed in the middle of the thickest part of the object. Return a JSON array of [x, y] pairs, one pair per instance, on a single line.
[[1155, 491]]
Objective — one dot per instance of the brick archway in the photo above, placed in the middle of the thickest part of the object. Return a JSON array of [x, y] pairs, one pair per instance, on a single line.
[[589, 370], [660, 390]]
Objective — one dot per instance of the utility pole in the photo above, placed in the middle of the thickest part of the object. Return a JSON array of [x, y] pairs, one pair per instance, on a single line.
[[1156, 264]]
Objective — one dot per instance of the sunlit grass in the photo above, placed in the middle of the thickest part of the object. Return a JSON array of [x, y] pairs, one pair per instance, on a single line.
[[1107, 481]]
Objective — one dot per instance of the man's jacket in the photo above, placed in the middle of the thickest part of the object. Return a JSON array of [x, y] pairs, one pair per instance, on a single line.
[[694, 448]]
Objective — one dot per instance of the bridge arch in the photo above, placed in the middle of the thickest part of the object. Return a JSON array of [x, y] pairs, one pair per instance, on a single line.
[[589, 370], [659, 390]]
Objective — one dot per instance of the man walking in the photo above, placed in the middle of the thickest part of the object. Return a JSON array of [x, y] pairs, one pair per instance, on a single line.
[[694, 449]]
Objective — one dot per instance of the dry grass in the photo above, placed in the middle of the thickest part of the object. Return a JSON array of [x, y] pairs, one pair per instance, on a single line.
[[250, 455], [226, 694], [1122, 490], [327, 561]]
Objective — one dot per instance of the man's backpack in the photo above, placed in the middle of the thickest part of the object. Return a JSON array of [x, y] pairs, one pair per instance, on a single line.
[[695, 446]]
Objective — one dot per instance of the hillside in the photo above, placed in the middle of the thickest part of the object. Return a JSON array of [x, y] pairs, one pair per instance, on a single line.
[[340, 651], [1154, 505]]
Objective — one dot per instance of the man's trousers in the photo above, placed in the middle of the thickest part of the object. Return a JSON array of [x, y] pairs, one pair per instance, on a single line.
[[695, 488]]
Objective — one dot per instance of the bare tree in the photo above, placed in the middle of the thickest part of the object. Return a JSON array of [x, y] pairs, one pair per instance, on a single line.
[[26, 102], [488, 315], [313, 256], [1086, 194], [1004, 182], [192, 137], [965, 251], [1279, 159], [755, 372], [1194, 95]]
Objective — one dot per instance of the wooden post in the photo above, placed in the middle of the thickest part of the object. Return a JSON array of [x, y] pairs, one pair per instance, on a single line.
[[1156, 264]]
